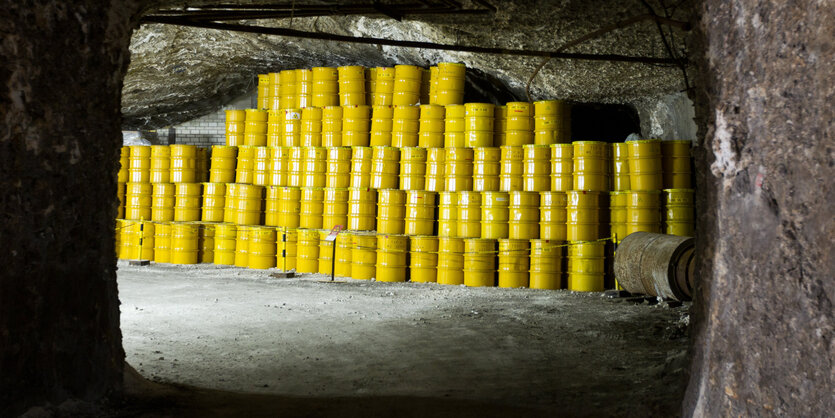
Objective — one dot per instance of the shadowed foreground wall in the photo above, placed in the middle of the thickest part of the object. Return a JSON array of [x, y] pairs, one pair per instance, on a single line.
[[60, 80], [764, 317]]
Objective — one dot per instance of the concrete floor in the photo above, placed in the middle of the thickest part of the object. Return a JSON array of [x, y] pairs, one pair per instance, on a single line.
[[231, 329]]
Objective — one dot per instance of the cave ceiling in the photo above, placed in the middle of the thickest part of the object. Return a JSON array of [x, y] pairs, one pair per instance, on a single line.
[[178, 73]]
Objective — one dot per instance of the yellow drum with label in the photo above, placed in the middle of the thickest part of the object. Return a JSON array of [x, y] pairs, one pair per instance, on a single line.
[[583, 215], [335, 208], [285, 252], [391, 258], [361, 160], [311, 208], [494, 215], [362, 209], [307, 251], [435, 161], [458, 170], [552, 216]]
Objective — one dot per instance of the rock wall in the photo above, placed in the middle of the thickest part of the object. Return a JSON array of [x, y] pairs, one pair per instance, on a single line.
[[763, 326], [60, 79]]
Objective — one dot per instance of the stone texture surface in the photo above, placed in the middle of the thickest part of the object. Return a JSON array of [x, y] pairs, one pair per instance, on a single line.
[[180, 73], [764, 315], [60, 77]]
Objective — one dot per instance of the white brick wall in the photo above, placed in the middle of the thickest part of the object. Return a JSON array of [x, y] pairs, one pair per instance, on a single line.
[[206, 130]]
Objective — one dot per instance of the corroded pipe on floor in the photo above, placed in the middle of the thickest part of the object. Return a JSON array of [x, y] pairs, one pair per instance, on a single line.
[[656, 265]]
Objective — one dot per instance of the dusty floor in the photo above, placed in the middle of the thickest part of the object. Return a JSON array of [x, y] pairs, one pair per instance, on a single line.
[[536, 352]]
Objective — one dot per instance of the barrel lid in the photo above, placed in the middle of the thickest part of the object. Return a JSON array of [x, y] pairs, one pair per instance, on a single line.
[[643, 141], [678, 190]]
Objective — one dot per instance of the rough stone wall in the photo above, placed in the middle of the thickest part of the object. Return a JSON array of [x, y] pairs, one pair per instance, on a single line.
[[60, 79], [763, 325], [667, 117]]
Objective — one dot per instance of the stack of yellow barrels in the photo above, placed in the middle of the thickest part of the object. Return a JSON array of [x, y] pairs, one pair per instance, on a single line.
[[445, 192]]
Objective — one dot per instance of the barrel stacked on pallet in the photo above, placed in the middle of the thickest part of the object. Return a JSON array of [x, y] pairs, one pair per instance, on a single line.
[[443, 191]]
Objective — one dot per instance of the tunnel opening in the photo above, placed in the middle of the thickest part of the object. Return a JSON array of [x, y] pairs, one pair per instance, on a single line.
[[53, 348]]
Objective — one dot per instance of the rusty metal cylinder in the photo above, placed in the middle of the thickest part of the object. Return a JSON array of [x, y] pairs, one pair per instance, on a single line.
[[656, 265]]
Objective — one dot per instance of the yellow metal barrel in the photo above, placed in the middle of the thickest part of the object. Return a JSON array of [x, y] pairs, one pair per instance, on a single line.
[[344, 253], [450, 83], [362, 209], [591, 166], [431, 129], [512, 169], [206, 242], [162, 202], [124, 163], [486, 169], [405, 129], [338, 172], [454, 126], [279, 166], [552, 216], [536, 171], [138, 240], [645, 164], [479, 262], [314, 165], [351, 85], [160, 170], [617, 214], [586, 266], [514, 262], [407, 84], [363, 255], [385, 167], [383, 87], [261, 247], [289, 207], [235, 121], [643, 211], [250, 202], [332, 126], [468, 219], [448, 214], [546, 264], [214, 199], [420, 212], [678, 212], [450, 261], [361, 161], [381, 125], [242, 246], [458, 169], [524, 215], [285, 252], [244, 169], [478, 124], [139, 164], [225, 243], [162, 242], [335, 208], [183, 163], [310, 127], [325, 87], [392, 251], [413, 168], [223, 162], [391, 211], [423, 263], [304, 88], [495, 214], [295, 166], [188, 201], [435, 159], [583, 215], [326, 250], [138, 200], [311, 208], [307, 251], [356, 125], [620, 167], [184, 243], [562, 167]]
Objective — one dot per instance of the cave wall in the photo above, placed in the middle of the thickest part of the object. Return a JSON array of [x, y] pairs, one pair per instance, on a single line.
[[763, 320], [60, 80]]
